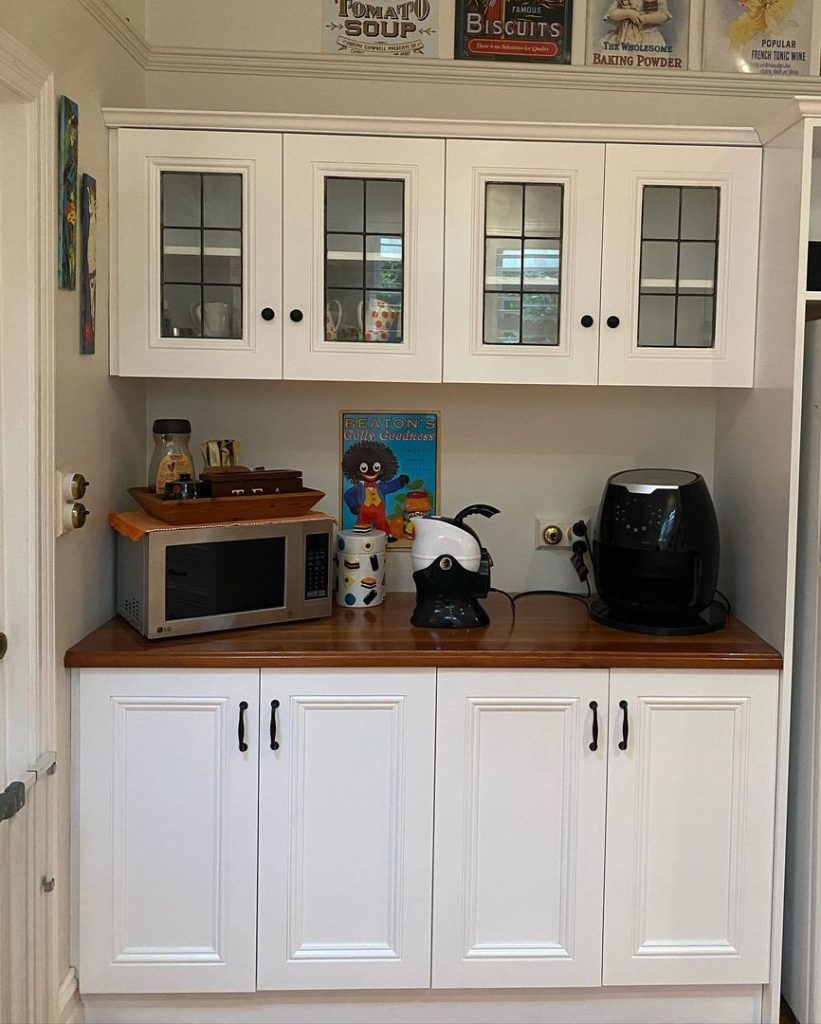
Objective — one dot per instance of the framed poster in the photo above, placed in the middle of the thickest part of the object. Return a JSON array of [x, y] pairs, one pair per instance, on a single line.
[[523, 30], [409, 29], [650, 34], [756, 37], [67, 130], [389, 464], [88, 266]]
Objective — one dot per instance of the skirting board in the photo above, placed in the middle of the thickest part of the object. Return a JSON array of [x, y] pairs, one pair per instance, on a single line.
[[736, 1005], [69, 1007]]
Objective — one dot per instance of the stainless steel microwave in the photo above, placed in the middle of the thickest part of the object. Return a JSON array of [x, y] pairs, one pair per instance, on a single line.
[[177, 581]]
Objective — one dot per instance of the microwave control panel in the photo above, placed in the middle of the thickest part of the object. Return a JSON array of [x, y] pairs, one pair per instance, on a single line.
[[317, 565]]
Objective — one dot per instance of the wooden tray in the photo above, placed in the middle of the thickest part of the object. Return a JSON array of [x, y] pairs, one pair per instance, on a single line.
[[192, 511]]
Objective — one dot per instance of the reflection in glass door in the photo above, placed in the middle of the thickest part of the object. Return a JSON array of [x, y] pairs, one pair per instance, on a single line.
[[364, 259]]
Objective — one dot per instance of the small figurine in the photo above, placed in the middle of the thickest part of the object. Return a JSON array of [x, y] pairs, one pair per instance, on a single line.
[[371, 467]]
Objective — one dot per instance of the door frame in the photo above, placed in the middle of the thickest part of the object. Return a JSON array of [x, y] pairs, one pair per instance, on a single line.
[[27, 77]]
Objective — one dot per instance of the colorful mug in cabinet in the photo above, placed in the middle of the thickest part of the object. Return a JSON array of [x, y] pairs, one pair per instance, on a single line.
[[378, 320]]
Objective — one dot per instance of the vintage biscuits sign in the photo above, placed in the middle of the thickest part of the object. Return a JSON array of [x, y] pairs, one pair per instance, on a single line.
[[403, 29]]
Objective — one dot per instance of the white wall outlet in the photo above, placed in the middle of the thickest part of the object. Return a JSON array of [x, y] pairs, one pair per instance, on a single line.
[[555, 530]]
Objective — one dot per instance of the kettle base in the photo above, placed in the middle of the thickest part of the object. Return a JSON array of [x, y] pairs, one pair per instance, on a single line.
[[710, 620], [445, 611]]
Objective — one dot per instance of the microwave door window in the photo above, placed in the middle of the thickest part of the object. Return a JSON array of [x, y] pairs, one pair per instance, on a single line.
[[224, 578]]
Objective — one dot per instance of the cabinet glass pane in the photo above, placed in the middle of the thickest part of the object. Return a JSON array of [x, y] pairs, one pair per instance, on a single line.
[[503, 318], [181, 199], [694, 327], [679, 259], [222, 201], [364, 259], [523, 262], [543, 210], [202, 255], [345, 204], [503, 264], [503, 209], [657, 320]]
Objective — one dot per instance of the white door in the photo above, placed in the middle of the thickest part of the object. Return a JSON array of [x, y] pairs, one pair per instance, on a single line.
[[198, 233], [346, 817], [690, 807], [168, 815], [522, 264], [679, 265], [520, 815], [363, 253]]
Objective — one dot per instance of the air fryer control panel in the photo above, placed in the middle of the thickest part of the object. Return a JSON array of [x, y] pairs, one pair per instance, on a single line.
[[644, 520]]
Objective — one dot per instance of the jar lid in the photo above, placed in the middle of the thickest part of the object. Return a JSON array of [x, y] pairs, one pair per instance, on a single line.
[[172, 427]]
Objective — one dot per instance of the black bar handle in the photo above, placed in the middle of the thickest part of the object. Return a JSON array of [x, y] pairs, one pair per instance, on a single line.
[[274, 706], [243, 707], [624, 726], [594, 707]]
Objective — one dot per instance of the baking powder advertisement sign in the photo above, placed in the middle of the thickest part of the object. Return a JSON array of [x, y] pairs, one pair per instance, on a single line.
[[409, 29], [647, 34], [524, 30], [766, 37]]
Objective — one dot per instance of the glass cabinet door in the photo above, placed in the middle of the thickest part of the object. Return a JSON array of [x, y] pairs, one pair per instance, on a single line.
[[679, 265], [199, 254], [363, 245], [521, 291]]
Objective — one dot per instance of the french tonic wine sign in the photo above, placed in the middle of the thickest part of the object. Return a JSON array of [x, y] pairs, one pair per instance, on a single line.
[[531, 30], [402, 29], [767, 37], [648, 34]]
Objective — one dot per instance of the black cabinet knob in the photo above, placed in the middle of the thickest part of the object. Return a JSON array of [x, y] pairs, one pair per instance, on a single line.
[[613, 321], [267, 313], [297, 315], [586, 320]]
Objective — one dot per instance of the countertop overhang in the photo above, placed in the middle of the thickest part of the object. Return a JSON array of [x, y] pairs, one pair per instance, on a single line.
[[548, 632]]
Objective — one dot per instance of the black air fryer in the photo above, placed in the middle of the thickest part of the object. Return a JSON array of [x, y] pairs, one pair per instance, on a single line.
[[655, 554]]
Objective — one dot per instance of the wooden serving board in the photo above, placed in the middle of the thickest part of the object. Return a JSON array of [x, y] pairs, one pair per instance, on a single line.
[[193, 511]]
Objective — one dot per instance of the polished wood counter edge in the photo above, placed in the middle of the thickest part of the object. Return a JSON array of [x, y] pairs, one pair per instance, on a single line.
[[549, 632]]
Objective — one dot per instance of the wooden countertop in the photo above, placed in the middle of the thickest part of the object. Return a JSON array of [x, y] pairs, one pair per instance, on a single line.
[[549, 632]]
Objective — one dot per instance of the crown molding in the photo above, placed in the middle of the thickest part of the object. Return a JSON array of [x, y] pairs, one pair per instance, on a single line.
[[418, 127], [20, 70], [428, 71], [117, 27]]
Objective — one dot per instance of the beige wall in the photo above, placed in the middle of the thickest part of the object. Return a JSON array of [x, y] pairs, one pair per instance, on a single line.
[[99, 420], [524, 449]]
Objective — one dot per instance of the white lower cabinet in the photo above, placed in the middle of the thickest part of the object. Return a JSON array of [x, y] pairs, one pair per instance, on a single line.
[[520, 801], [591, 828], [167, 807], [346, 829], [690, 819]]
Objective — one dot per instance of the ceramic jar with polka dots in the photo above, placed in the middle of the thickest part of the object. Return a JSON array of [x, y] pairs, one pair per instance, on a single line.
[[360, 568]]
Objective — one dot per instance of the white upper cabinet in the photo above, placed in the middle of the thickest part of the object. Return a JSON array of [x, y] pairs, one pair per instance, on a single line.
[[522, 264], [679, 265], [521, 776], [690, 824], [197, 281], [346, 829], [363, 253]]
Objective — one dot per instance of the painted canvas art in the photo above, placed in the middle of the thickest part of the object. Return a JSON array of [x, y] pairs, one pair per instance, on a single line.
[[68, 122], [88, 269]]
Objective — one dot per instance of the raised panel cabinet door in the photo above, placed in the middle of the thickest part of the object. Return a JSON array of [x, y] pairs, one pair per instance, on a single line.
[[522, 262], [346, 818], [679, 265], [197, 233], [521, 774], [363, 258], [167, 808], [690, 820]]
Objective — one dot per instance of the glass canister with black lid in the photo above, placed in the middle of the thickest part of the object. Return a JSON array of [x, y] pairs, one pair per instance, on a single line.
[[172, 455]]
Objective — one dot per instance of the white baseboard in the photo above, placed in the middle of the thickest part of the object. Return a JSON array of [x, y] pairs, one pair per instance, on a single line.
[[69, 1004]]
